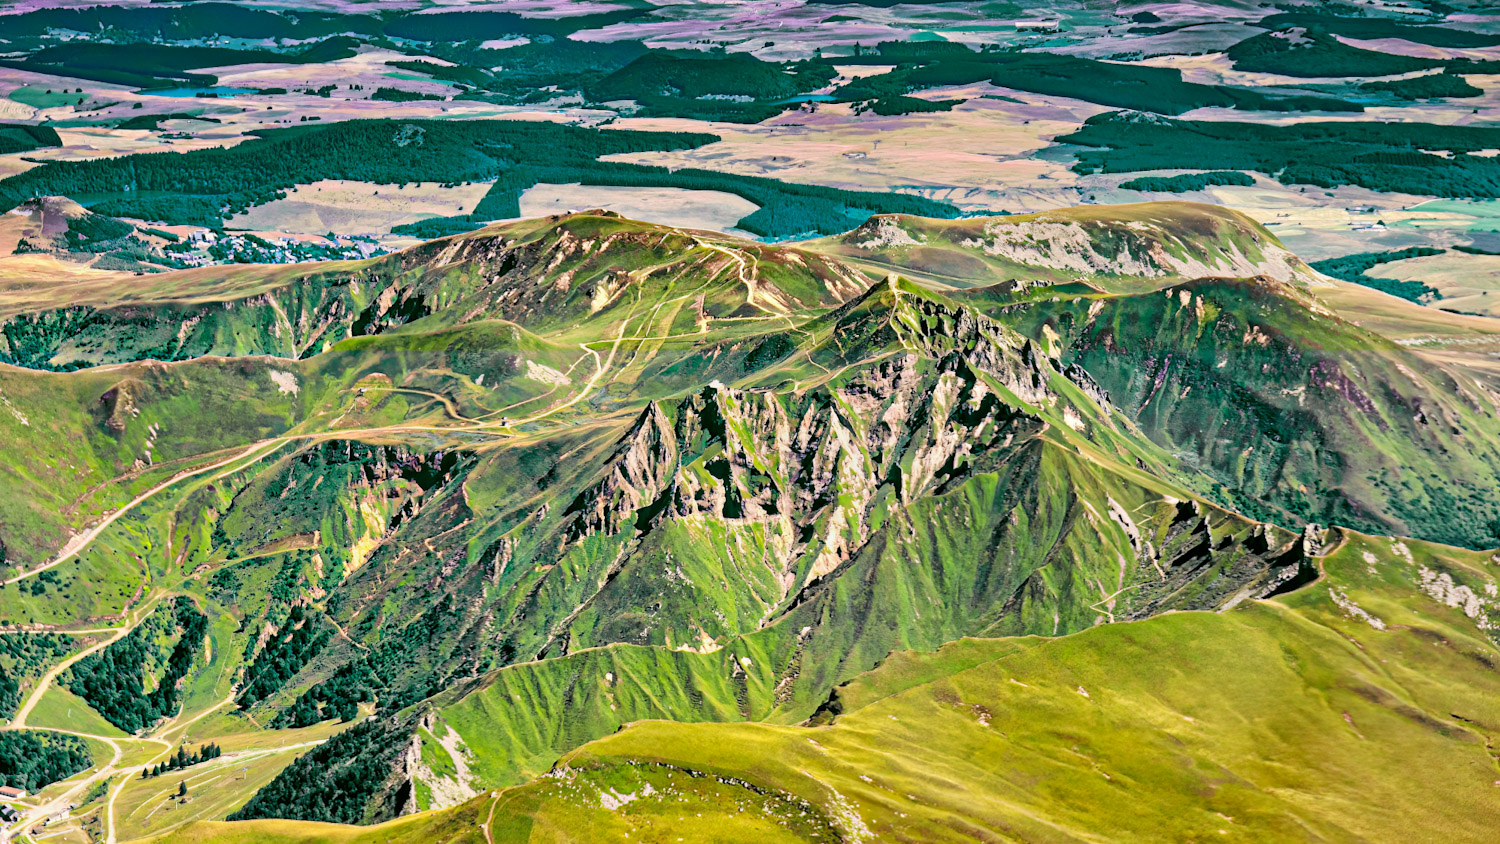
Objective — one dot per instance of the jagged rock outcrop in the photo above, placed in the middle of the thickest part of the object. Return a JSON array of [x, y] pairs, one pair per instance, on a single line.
[[637, 473]]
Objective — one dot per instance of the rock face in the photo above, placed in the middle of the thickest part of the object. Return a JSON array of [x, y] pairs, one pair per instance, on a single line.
[[637, 473], [804, 471], [795, 485]]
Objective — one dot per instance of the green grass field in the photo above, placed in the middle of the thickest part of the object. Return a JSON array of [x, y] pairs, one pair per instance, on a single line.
[[147, 807], [459, 826], [44, 98], [63, 710]]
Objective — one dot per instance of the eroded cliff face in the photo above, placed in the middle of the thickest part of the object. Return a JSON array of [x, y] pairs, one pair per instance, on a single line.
[[795, 476], [1141, 249], [638, 472], [582, 265], [1139, 245]]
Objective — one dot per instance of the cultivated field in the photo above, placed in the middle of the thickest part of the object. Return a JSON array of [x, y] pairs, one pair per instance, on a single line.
[[344, 207], [691, 209]]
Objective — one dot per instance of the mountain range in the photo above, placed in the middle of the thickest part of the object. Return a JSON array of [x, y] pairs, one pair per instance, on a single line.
[[1094, 524]]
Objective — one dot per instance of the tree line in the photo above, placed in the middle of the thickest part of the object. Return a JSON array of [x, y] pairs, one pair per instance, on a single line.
[[182, 759], [1355, 268], [23, 656], [203, 187], [335, 781], [301, 637], [1393, 157]]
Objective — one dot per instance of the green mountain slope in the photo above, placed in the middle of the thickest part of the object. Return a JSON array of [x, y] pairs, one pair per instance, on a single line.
[[1297, 414], [547, 275], [1273, 721], [1276, 720]]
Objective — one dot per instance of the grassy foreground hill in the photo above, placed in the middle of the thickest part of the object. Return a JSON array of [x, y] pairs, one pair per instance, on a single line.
[[491, 500], [1272, 721]]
